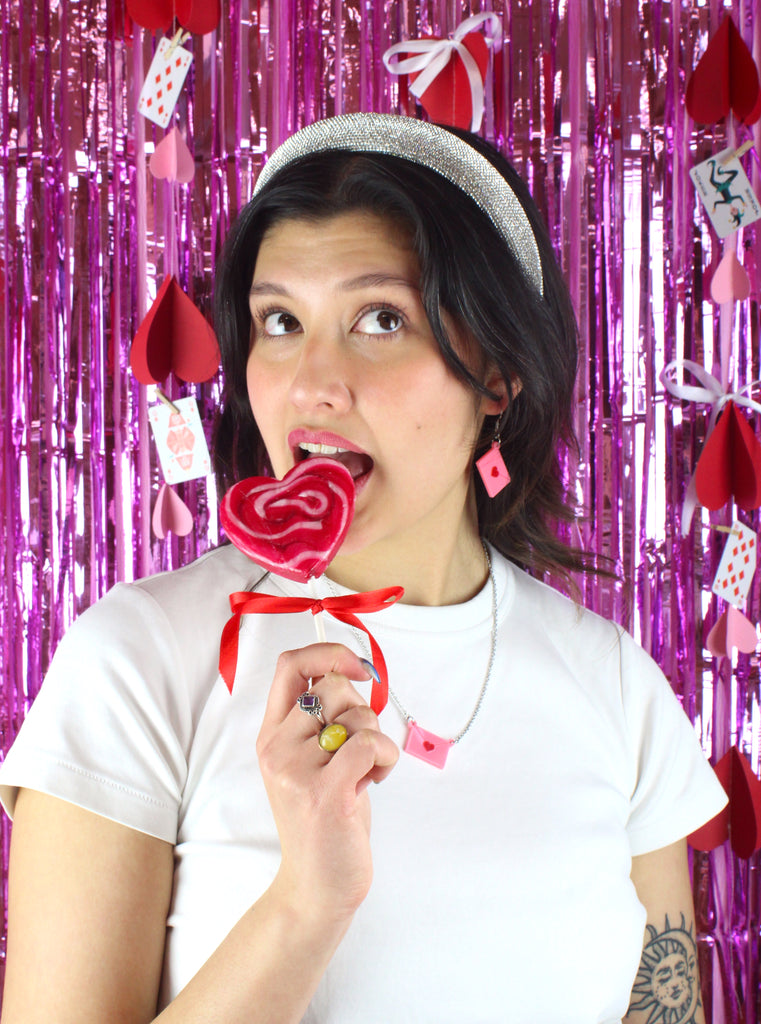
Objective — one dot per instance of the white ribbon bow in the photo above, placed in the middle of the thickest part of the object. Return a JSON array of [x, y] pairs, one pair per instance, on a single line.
[[433, 55], [712, 392]]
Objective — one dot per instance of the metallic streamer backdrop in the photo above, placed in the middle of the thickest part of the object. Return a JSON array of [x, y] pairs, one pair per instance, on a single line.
[[590, 107]]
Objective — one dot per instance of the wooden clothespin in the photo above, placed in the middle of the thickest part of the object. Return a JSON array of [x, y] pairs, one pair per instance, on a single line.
[[737, 153], [177, 40], [162, 397]]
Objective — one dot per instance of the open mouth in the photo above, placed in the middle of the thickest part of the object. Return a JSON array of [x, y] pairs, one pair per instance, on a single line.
[[358, 464]]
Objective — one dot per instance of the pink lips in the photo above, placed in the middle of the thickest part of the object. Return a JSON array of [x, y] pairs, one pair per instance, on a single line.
[[360, 464], [301, 435]]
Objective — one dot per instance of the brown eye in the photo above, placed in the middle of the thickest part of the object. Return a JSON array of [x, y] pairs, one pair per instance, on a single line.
[[280, 323], [379, 321]]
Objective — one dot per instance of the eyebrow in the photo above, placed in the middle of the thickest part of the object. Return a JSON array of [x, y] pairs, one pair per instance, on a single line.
[[353, 284]]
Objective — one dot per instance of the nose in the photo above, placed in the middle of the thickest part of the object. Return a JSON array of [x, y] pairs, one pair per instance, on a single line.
[[320, 379]]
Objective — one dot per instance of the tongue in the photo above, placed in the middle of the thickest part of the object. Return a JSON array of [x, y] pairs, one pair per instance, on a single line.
[[356, 464]]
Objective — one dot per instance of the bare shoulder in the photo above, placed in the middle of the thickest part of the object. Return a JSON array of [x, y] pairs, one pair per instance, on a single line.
[[88, 902]]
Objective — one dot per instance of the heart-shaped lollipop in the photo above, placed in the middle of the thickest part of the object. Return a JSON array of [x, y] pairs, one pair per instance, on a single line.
[[293, 526]]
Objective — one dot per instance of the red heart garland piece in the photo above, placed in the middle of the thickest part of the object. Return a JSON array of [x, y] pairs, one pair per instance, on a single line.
[[726, 78], [730, 463], [197, 16], [293, 526], [174, 338], [740, 820], [447, 99]]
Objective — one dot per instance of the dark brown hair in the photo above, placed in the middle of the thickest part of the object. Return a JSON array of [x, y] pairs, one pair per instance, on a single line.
[[468, 272]]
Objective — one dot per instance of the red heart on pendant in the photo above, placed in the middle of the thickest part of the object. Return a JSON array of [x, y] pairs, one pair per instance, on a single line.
[[174, 338], [197, 16], [427, 745], [293, 526], [726, 78], [448, 98], [730, 463]]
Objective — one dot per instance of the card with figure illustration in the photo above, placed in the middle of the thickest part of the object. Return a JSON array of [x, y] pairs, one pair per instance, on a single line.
[[726, 193], [180, 440]]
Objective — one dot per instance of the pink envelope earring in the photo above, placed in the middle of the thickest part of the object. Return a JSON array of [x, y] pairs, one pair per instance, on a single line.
[[492, 468]]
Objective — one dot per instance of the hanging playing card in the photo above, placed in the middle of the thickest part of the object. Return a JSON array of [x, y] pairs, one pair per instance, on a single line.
[[180, 441], [726, 193], [737, 565], [165, 79]]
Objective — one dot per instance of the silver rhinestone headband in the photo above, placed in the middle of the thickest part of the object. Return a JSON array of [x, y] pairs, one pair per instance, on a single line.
[[432, 147]]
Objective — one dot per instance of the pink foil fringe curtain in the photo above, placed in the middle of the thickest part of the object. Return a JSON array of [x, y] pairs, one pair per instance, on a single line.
[[591, 109]]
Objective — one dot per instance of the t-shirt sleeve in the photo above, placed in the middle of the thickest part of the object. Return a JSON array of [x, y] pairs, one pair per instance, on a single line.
[[109, 730], [675, 790]]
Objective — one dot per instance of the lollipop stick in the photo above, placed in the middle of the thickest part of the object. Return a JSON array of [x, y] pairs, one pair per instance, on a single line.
[[319, 626]]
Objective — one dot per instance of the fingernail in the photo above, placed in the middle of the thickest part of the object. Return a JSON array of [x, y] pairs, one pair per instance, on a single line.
[[371, 668]]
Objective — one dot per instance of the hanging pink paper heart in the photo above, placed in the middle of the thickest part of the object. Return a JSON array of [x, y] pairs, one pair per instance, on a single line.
[[170, 513], [172, 159], [732, 630], [292, 526], [197, 16], [174, 338], [740, 820], [448, 99], [726, 78], [730, 463], [730, 281]]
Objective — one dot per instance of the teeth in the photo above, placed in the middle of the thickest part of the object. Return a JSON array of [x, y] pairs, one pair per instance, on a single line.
[[321, 449]]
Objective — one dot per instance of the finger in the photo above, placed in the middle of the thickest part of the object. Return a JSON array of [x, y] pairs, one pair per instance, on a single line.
[[295, 668], [367, 756]]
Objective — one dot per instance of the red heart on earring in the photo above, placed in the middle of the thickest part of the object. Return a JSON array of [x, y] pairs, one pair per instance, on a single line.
[[726, 78]]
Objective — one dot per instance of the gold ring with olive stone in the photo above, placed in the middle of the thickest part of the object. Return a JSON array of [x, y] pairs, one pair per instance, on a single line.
[[333, 736]]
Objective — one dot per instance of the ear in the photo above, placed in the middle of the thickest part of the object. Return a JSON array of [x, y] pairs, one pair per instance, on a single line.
[[496, 382]]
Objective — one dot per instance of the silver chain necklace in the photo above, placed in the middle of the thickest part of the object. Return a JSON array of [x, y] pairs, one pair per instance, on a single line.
[[420, 742]]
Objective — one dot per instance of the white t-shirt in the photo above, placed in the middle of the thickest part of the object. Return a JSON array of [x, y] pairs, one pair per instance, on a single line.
[[501, 883]]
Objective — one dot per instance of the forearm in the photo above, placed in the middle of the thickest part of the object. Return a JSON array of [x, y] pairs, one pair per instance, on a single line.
[[266, 970]]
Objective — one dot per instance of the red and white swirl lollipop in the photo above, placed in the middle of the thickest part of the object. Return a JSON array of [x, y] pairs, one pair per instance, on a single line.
[[293, 526]]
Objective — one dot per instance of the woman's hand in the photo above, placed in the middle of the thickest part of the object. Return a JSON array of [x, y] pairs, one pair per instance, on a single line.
[[318, 799]]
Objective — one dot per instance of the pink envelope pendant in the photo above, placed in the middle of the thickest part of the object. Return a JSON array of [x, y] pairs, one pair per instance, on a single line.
[[493, 470], [427, 746]]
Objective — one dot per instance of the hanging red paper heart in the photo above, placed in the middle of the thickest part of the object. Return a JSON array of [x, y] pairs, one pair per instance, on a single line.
[[740, 820], [726, 78], [174, 338], [731, 630], [448, 99], [197, 16], [730, 463], [170, 513]]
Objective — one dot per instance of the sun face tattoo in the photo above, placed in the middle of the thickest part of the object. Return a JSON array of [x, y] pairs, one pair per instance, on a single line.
[[666, 987]]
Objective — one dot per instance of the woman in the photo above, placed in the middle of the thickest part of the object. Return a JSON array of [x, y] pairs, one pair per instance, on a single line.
[[389, 298]]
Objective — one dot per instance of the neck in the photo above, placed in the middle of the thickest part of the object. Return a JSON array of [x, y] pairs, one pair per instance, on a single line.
[[449, 575]]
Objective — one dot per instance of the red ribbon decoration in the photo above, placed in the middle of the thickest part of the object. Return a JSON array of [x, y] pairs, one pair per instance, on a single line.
[[243, 602]]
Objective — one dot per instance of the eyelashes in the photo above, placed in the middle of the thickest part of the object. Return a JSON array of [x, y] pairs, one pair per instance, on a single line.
[[378, 319]]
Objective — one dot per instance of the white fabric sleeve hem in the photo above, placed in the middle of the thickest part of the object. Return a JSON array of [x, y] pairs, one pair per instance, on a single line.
[[110, 799]]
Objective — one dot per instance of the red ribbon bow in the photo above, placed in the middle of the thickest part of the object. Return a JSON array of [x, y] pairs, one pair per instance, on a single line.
[[243, 602]]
